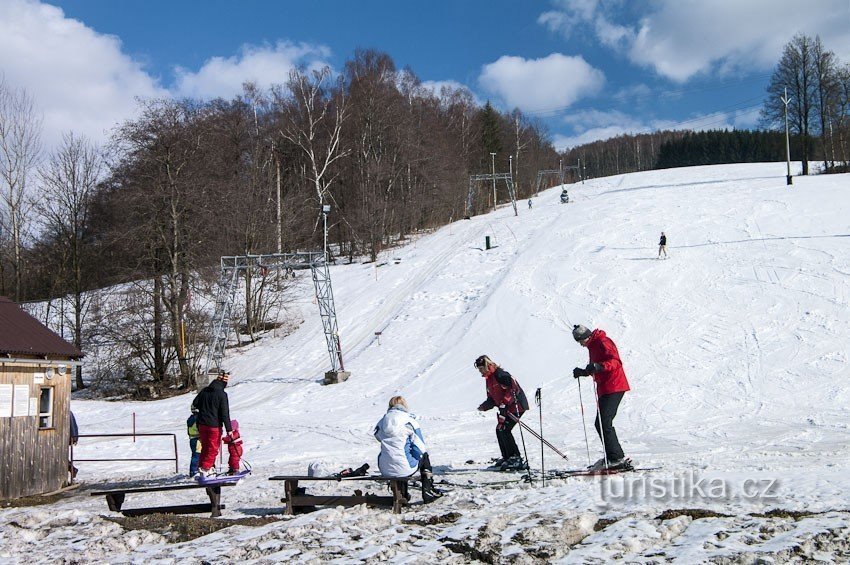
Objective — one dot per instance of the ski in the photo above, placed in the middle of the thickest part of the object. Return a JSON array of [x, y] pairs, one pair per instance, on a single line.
[[595, 473]]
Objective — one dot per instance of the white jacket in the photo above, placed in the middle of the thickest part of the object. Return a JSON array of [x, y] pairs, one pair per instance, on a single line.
[[402, 444]]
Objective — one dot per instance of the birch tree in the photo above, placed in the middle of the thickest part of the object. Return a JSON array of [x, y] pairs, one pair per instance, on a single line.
[[20, 148]]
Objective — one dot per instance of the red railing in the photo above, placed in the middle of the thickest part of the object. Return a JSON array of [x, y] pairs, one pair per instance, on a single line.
[[134, 436]]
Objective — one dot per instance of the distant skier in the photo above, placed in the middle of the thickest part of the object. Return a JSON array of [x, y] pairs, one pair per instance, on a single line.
[[529, 203], [403, 448], [611, 384], [213, 412], [662, 246], [504, 392]]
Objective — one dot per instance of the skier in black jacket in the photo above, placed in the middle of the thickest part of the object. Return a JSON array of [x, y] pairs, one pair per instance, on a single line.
[[213, 411]]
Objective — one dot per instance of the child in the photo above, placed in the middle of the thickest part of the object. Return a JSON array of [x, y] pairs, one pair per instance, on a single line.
[[194, 442], [234, 448]]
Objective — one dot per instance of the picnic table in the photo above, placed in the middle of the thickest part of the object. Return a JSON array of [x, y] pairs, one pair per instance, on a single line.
[[298, 498], [115, 499]]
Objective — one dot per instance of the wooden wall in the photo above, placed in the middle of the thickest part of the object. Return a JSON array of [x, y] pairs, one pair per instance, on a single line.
[[32, 460]]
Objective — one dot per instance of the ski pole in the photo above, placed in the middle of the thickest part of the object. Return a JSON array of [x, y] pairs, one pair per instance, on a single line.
[[539, 402], [599, 420], [533, 432], [583, 423]]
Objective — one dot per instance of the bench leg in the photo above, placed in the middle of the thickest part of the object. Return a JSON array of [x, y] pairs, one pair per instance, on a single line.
[[290, 489], [398, 499], [115, 500], [214, 493]]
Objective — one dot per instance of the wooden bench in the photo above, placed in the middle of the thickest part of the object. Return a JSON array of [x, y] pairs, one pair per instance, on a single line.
[[115, 499], [294, 499]]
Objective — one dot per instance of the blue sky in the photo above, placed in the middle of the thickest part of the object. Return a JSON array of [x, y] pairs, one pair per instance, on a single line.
[[588, 69]]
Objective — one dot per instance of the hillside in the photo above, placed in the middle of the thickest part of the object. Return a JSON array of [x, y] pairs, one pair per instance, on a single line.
[[735, 348]]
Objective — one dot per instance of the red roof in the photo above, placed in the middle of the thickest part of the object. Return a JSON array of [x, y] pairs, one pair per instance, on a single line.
[[21, 334]]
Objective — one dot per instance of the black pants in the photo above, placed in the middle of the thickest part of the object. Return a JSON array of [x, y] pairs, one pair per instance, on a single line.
[[608, 404], [425, 474], [507, 444]]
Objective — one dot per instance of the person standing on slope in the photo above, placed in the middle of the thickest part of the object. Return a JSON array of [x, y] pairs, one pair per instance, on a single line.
[[403, 448], [607, 371], [662, 246], [213, 412], [504, 392]]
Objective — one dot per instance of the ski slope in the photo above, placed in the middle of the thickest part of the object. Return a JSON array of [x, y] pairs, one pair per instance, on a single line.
[[735, 347]]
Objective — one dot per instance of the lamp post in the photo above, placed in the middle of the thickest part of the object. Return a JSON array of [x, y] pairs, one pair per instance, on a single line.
[[493, 163], [786, 100], [511, 166], [326, 208]]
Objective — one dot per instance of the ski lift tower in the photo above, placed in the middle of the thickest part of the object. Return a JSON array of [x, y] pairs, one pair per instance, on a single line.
[[473, 184], [232, 266]]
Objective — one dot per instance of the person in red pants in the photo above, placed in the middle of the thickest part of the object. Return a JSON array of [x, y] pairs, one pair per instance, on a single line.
[[234, 448], [213, 412]]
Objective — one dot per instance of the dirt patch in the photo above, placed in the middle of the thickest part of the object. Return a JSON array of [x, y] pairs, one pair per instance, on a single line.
[[695, 513], [177, 528], [449, 518], [463, 548], [602, 523], [782, 513], [30, 501]]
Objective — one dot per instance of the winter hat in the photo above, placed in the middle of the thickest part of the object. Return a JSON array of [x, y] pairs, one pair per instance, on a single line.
[[580, 332]]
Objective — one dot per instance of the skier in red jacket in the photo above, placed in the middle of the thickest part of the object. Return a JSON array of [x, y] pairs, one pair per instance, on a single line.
[[504, 392], [611, 384]]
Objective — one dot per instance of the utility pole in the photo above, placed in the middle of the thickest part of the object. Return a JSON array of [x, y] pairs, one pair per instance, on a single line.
[[493, 162], [786, 100]]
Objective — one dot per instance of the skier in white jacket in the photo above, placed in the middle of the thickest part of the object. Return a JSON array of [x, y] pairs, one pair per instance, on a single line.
[[403, 448]]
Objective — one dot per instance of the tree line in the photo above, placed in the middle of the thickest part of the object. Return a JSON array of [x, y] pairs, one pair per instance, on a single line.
[[810, 77], [188, 181]]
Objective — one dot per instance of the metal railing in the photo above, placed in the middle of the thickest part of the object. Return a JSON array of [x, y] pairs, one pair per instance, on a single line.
[[133, 435]]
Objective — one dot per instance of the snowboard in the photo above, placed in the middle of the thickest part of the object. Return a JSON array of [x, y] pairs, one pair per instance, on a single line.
[[222, 479]]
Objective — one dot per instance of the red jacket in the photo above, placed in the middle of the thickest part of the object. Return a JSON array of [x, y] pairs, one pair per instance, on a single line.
[[602, 350], [503, 390]]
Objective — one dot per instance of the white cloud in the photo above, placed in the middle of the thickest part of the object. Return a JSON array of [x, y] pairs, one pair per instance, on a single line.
[[80, 79], [680, 40], [537, 85], [264, 65], [436, 88], [595, 125]]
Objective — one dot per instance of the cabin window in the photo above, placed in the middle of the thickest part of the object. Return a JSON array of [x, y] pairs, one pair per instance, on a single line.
[[45, 407]]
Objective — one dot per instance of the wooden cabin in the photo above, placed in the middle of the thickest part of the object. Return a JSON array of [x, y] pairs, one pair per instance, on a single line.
[[35, 399]]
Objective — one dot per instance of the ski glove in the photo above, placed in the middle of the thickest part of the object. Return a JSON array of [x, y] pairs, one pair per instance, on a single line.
[[579, 372], [593, 368]]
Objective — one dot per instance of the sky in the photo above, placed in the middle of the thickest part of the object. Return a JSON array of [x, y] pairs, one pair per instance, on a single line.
[[587, 69]]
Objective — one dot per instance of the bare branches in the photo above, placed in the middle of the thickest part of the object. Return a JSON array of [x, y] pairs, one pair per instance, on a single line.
[[20, 148]]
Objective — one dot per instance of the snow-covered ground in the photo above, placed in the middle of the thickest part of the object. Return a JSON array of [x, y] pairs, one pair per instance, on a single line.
[[735, 348]]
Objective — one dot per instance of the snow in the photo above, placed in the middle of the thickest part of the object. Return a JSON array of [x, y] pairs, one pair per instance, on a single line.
[[735, 347]]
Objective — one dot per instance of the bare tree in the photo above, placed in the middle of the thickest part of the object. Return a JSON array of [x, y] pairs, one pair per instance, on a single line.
[[795, 71], [69, 179], [826, 76], [20, 148], [312, 121]]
